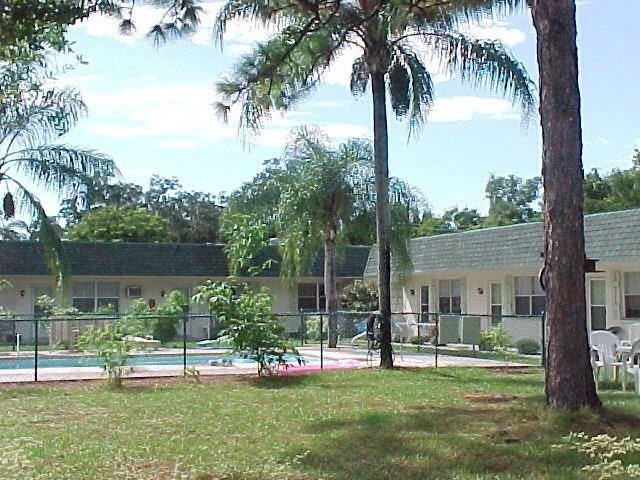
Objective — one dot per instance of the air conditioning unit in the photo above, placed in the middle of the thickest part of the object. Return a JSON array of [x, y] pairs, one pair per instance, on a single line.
[[134, 291]]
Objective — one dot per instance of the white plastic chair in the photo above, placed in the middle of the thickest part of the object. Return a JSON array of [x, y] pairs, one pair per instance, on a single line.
[[633, 364], [603, 354]]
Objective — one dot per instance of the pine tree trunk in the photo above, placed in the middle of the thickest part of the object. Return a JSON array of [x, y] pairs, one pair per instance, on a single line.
[[383, 215], [569, 380], [330, 288]]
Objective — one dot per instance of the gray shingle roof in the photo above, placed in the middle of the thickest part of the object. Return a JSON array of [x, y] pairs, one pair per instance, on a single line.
[[152, 259], [613, 236]]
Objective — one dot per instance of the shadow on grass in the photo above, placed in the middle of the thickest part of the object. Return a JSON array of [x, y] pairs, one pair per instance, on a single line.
[[462, 438]]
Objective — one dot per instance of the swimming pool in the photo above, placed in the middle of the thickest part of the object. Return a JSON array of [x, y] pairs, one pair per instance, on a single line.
[[196, 359]]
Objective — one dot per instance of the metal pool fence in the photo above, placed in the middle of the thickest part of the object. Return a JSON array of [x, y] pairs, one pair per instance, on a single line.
[[34, 348]]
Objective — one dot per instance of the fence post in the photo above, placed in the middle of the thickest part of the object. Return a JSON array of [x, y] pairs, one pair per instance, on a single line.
[[321, 342], [543, 350], [437, 337], [185, 317], [303, 329], [35, 351]]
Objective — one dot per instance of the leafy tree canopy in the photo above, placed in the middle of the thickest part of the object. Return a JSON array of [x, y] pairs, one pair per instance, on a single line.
[[511, 199], [112, 224], [618, 190], [30, 28], [193, 216]]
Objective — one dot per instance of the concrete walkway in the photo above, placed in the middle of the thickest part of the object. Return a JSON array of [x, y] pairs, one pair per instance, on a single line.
[[332, 358]]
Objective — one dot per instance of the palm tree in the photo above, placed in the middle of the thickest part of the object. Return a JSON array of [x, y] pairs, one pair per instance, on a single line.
[[284, 70], [31, 116], [316, 196], [568, 376]]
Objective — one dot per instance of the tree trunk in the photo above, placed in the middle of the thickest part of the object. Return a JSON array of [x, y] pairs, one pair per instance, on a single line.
[[330, 288], [569, 379], [383, 215]]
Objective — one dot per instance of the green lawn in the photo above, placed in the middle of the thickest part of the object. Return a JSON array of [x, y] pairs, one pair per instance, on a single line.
[[446, 423]]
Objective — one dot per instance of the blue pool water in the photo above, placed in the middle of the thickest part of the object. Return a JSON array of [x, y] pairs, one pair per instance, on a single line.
[[155, 359]]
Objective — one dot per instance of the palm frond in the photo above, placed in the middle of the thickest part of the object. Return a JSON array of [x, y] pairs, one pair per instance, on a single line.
[[47, 234], [39, 117], [410, 87], [279, 73], [60, 168], [449, 15], [359, 77], [485, 64]]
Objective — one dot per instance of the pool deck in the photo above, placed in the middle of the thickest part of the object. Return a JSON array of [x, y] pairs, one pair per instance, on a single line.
[[331, 358]]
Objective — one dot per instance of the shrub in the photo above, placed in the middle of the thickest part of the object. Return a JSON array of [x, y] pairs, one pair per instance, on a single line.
[[496, 338], [359, 297], [528, 346], [170, 314], [250, 326]]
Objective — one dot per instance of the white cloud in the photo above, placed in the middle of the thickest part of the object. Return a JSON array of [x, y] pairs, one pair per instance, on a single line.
[[598, 142], [327, 104], [153, 111], [339, 132], [636, 143], [499, 30], [465, 108], [185, 144]]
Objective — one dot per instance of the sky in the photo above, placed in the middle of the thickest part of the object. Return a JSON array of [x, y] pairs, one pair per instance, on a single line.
[[151, 109]]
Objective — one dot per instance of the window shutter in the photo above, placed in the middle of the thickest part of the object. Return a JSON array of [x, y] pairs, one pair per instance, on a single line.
[[434, 294], [463, 295], [508, 297], [616, 311]]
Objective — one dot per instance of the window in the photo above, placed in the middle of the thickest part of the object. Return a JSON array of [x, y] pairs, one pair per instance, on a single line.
[[449, 296], [311, 297], [632, 295], [96, 296], [598, 303], [424, 303], [496, 303], [530, 299]]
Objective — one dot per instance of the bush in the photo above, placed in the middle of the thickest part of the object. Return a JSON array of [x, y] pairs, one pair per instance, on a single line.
[[496, 338], [312, 328], [528, 346], [359, 297]]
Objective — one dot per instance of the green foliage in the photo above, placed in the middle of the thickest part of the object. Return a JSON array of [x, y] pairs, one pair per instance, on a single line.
[[169, 314], [30, 28], [32, 115], [510, 200], [608, 451], [111, 224], [245, 237], [494, 339], [112, 344], [249, 324], [312, 328], [359, 296], [528, 346], [193, 216], [618, 190]]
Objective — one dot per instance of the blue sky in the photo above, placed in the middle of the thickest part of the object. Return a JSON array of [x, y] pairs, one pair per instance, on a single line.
[[151, 110]]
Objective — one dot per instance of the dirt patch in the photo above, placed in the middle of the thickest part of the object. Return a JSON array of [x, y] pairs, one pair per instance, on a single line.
[[493, 398], [128, 383]]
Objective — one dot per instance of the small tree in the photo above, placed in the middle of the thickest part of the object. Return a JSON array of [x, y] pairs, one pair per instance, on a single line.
[[249, 325], [112, 344], [169, 315]]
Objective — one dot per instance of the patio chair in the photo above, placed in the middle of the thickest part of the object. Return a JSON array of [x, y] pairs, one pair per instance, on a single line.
[[633, 364], [603, 354]]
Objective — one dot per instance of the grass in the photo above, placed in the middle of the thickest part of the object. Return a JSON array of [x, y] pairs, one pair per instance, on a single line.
[[446, 423]]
